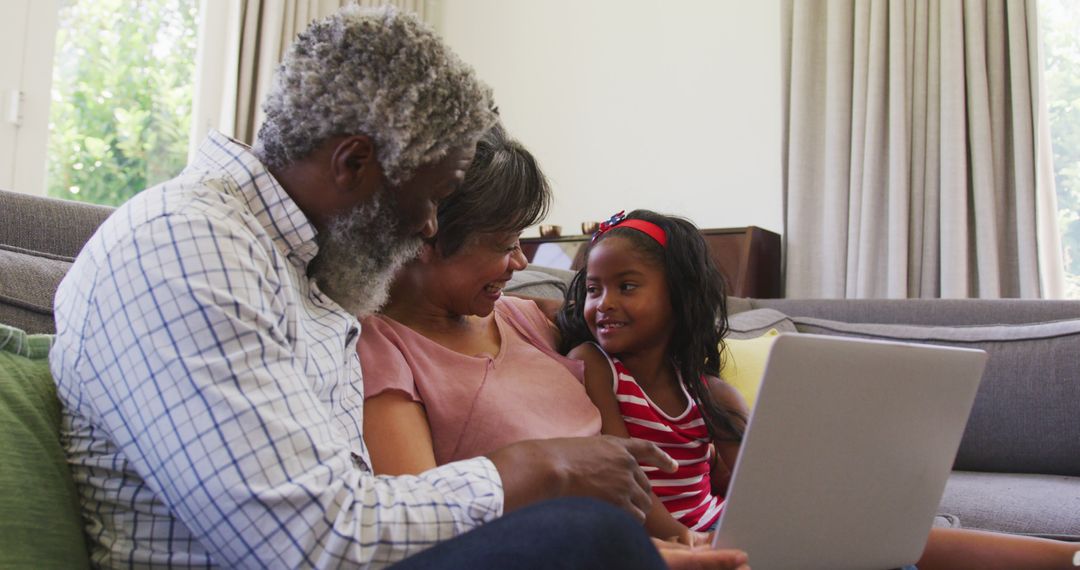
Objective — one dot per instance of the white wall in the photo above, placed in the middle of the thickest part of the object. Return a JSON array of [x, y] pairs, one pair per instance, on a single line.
[[670, 105]]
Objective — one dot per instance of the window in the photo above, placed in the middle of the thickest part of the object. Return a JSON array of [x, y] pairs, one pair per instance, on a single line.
[[1059, 21], [121, 97]]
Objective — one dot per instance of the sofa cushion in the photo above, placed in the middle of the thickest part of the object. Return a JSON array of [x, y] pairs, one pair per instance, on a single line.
[[737, 305], [41, 526], [744, 363], [749, 338], [1042, 505], [27, 286], [753, 324], [540, 282], [1022, 422]]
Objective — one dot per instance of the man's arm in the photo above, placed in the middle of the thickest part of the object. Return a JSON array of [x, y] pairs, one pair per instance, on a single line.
[[193, 375]]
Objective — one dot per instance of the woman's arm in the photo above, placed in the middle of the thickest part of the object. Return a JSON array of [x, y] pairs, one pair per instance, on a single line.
[[599, 384], [727, 451], [397, 434]]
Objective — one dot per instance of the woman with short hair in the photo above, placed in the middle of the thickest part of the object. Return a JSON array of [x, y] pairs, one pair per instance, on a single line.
[[452, 368]]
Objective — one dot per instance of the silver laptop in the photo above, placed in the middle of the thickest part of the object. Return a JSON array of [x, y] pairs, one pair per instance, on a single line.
[[847, 452]]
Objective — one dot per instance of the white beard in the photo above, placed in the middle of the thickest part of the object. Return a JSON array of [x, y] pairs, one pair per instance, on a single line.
[[359, 254]]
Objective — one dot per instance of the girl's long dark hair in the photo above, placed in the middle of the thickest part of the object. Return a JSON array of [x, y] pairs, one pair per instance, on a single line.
[[698, 303]]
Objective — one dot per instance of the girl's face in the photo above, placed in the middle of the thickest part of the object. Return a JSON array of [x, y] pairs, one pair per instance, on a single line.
[[627, 302], [474, 276]]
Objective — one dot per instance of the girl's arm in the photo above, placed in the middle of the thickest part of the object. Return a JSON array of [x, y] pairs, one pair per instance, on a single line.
[[397, 435], [728, 398], [599, 385]]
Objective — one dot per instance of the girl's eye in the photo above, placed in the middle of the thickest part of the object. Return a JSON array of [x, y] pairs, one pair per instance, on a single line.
[[591, 289], [628, 286], [516, 246]]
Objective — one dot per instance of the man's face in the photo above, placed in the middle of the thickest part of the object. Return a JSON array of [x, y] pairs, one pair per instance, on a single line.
[[418, 197], [361, 250]]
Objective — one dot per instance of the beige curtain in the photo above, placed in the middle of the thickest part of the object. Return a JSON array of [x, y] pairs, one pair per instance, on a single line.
[[917, 158], [241, 44]]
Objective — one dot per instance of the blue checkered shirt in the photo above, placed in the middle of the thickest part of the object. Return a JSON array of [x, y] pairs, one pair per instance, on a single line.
[[212, 395]]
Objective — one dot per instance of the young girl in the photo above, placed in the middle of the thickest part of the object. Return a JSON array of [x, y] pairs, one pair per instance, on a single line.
[[647, 315]]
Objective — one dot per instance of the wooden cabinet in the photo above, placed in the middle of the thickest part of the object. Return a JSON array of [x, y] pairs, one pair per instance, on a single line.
[[748, 258]]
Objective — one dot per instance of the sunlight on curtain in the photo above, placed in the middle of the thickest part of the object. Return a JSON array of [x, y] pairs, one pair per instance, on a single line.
[[917, 156]]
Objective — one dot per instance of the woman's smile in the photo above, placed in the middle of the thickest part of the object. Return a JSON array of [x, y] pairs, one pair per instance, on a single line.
[[494, 290]]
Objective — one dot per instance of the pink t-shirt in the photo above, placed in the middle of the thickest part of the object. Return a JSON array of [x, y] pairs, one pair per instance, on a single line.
[[476, 404]]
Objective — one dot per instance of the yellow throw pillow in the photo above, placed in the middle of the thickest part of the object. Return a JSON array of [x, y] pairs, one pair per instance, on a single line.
[[744, 363]]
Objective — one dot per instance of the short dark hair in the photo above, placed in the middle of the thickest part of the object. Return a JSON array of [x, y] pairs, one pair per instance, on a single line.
[[504, 191], [698, 305]]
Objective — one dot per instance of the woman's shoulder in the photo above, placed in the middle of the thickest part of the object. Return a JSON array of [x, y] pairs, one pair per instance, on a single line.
[[528, 318], [383, 362], [509, 305], [387, 326], [381, 334], [378, 327], [378, 321]]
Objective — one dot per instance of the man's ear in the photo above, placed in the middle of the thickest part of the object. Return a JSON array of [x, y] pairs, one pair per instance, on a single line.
[[354, 165]]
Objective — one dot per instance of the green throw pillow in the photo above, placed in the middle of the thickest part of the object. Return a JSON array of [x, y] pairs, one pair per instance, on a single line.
[[40, 526]]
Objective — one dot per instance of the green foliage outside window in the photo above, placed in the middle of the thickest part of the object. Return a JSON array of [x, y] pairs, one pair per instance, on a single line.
[[121, 97], [1060, 25]]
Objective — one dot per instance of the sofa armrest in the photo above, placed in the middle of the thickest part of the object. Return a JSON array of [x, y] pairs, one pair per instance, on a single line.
[[48, 225]]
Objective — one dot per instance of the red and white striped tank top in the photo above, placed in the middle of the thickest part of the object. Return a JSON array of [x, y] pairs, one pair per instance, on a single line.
[[686, 493]]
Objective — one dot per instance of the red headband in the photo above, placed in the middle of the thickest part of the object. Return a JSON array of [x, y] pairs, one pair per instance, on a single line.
[[619, 220]]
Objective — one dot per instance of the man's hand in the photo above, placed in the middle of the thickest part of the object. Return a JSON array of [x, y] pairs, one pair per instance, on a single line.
[[682, 557], [602, 467]]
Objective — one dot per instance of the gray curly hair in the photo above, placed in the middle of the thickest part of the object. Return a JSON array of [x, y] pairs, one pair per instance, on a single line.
[[380, 73]]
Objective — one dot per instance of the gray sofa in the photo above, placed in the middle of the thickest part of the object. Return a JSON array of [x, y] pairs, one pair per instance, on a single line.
[[1018, 466], [1018, 469], [39, 238]]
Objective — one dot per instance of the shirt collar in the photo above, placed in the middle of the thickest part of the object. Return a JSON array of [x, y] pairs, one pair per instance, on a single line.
[[292, 232]]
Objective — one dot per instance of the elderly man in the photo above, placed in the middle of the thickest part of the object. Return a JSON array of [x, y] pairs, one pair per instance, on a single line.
[[205, 349]]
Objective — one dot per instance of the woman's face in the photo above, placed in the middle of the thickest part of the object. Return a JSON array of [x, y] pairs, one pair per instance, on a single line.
[[472, 279]]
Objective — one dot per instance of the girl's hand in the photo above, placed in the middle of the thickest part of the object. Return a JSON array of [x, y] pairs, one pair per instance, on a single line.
[[701, 538], [693, 538]]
